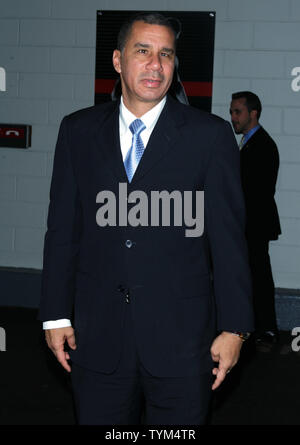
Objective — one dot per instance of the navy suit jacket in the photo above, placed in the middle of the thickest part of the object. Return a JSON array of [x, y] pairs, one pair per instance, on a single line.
[[259, 170], [181, 289]]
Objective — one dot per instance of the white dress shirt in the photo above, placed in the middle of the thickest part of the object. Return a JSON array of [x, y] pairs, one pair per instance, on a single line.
[[125, 119]]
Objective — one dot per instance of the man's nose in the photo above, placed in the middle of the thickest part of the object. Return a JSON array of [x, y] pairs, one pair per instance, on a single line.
[[155, 62]]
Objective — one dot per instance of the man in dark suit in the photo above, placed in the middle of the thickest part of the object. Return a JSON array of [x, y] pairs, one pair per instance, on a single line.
[[149, 295], [259, 169]]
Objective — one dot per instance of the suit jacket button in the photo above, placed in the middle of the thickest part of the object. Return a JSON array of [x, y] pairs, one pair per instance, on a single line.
[[128, 243]]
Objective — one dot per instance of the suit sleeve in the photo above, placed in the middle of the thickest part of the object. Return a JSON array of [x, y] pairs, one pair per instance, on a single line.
[[260, 170], [225, 222], [62, 238]]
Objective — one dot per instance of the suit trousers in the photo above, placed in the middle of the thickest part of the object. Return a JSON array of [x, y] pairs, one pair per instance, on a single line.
[[131, 395], [263, 285]]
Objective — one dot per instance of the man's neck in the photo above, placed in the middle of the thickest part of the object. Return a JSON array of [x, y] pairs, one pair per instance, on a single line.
[[139, 108], [255, 124]]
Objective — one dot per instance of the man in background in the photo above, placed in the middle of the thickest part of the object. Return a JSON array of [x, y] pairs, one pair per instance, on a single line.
[[259, 168]]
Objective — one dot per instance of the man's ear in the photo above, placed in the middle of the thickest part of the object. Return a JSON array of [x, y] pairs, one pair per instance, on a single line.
[[116, 59], [253, 114]]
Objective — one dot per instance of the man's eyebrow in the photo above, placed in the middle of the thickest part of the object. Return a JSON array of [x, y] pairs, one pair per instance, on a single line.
[[143, 45], [147, 45], [168, 50]]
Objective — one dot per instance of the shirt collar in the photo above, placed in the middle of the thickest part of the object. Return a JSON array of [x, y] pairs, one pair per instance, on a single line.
[[149, 119], [251, 133]]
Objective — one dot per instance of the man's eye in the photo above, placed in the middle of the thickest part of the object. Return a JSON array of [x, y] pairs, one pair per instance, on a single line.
[[165, 54], [142, 51]]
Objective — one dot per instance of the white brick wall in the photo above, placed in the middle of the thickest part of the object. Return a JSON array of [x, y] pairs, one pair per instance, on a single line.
[[47, 32], [18, 110], [277, 36], [72, 60], [262, 10], [9, 32], [295, 10], [291, 121], [48, 50], [254, 64], [24, 9], [237, 35]]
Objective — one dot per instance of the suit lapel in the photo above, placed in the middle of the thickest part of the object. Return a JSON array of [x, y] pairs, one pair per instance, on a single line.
[[108, 141], [162, 139], [253, 139]]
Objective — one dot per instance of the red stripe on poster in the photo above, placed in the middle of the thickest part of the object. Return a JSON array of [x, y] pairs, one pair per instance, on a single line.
[[197, 89], [104, 86]]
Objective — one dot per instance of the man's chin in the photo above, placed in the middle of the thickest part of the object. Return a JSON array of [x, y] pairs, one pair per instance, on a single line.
[[237, 131], [152, 96]]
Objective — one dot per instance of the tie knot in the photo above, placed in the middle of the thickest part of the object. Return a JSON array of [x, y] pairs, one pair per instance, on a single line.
[[242, 142], [137, 126]]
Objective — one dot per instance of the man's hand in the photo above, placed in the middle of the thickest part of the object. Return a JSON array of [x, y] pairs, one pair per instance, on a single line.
[[226, 351], [56, 338]]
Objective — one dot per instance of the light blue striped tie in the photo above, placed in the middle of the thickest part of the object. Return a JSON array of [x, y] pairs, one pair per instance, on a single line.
[[136, 150]]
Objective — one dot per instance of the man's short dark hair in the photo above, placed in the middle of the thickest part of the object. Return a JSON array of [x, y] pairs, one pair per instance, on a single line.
[[151, 18], [252, 101]]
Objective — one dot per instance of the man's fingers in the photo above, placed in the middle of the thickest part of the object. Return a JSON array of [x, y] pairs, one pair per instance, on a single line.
[[56, 346], [62, 358], [215, 357], [56, 339], [215, 371], [71, 341], [219, 379], [221, 374], [225, 351]]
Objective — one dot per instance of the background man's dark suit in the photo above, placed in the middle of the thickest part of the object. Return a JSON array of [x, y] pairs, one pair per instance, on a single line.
[[259, 169], [175, 306]]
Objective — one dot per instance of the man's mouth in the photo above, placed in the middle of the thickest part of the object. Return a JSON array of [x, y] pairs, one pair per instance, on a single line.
[[152, 83]]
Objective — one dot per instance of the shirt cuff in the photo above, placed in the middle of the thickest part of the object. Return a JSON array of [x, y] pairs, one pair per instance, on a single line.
[[54, 324]]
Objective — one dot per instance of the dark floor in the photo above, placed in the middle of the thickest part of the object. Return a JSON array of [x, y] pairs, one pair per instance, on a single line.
[[263, 389]]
